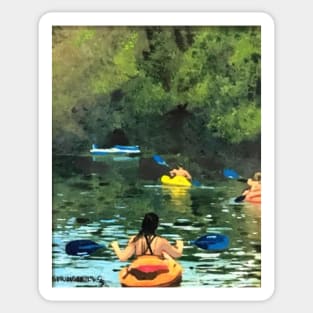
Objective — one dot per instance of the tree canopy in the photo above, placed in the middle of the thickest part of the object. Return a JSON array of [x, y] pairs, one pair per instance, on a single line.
[[202, 83]]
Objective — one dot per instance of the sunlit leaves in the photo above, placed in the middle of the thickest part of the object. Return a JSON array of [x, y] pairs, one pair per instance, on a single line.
[[240, 123], [125, 59], [119, 67], [83, 36], [246, 46]]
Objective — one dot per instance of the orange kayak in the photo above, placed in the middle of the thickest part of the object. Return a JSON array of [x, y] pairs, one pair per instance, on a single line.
[[253, 196], [151, 271]]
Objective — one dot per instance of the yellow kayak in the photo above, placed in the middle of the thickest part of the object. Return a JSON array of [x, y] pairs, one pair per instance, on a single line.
[[151, 271], [175, 181]]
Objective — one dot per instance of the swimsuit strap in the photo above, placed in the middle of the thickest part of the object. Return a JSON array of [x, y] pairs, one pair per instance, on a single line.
[[149, 244]]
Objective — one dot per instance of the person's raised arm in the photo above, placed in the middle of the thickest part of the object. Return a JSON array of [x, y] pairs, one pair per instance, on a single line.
[[126, 253], [172, 172], [173, 251], [188, 175]]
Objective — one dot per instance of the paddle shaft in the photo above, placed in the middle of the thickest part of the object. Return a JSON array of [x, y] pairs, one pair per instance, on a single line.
[[207, 242]]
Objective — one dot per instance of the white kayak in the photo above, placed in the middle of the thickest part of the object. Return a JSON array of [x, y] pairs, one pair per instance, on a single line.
[[117, 149]]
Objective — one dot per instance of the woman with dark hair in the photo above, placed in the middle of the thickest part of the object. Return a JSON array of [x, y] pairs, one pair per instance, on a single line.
[[147, 242]]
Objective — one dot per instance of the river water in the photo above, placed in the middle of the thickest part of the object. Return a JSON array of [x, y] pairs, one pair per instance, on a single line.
[[105, 199]]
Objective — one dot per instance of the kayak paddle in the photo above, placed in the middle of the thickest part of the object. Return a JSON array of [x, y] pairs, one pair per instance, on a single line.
[[232, 174], [82, 247], [210, 242], [158, 159], [240, 198]]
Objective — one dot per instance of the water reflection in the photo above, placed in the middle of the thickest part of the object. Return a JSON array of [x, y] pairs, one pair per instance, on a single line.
[[178, 197], [106, 203]]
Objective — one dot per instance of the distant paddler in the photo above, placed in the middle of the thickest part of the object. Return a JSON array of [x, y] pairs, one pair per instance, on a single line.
[[180, 171]]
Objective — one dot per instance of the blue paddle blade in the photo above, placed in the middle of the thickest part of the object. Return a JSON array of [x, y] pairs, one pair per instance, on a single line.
[[159, 160], [196, 183], [82, 247], [230, 173], [212, 242]]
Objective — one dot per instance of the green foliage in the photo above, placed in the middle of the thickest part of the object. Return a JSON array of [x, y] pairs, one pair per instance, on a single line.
[[125, 59], [118, 66], [240, 123], [246, 46], [83, 36], [214, 71], [162, 58]]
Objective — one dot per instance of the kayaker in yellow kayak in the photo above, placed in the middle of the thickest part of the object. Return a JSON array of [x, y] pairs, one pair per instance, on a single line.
[[180, 171], [147, 242]]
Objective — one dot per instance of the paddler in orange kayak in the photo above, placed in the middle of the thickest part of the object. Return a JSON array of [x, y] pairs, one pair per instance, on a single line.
[[147, 242], [254, 183], [253, 192]]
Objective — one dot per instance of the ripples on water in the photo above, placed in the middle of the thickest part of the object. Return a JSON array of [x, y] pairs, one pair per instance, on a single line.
[[109, 203]]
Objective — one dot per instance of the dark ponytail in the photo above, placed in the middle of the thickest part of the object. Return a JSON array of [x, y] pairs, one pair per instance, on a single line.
[[149, 225]]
